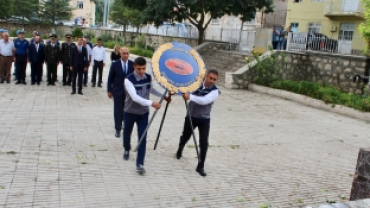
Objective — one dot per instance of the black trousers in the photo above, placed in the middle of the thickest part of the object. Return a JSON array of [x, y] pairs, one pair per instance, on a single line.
[[36, 72], [67, 74], [118, 105], [203, 128], [78, 71], [52, 73], [98, 65], [21, 62]]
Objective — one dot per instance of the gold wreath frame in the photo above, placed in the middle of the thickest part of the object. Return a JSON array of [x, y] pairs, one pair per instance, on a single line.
[[163, 81]]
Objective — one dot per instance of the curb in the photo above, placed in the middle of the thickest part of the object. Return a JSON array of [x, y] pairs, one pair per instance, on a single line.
[[339, 109]]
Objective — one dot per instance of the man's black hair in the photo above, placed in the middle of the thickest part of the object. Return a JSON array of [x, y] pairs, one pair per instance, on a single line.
[[212, 71], [140, 61]]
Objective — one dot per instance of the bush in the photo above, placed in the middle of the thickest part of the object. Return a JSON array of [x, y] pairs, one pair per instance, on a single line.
[[325, 93], [77, 32], [90, 34], [13, 33], [106, 37]]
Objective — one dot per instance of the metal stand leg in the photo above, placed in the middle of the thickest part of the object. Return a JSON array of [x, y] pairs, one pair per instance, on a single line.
[[192, 129], [160, 127]]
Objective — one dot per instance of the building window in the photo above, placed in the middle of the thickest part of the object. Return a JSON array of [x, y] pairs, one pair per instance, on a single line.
[[294, 26], [215, 21], [80, 4], [314, 27], [297, 1]]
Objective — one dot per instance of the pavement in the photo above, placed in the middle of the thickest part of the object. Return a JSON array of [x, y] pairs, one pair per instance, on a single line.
[[59, 150]]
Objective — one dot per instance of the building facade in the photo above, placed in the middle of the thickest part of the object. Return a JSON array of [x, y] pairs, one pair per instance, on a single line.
[[84, 9], [336, 19]]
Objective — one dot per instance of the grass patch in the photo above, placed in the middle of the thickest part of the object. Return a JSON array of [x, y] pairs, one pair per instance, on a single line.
[[327, 94]]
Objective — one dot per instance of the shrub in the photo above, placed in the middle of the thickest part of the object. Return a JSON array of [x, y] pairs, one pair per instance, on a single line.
[[89, 33], [77, 32], [13, 33], [106, 37], [60, 32]]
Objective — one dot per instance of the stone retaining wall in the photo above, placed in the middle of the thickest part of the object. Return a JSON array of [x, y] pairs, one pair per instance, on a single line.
[[324, 68]]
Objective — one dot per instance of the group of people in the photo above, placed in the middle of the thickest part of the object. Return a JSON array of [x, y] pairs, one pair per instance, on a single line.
[[76, 59], [280, 37], [128, 85]]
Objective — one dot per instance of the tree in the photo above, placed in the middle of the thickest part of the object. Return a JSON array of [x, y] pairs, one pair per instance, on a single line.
[[365, 26], [25, 9], [200, 12], [6, 9], [54, 10], [99, 12], [123, 15]]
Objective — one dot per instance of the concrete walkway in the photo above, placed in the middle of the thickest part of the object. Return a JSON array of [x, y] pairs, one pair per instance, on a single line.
[[58, 150]]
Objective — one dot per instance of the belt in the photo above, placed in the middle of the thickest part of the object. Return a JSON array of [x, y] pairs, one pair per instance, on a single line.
[[21, 55], [6, 56]]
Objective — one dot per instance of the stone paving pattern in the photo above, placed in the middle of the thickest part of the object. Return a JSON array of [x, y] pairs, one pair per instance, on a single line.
[[58, 150]]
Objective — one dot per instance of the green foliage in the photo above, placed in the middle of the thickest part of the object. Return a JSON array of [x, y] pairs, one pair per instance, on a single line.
[[99, 11], [89, 33], [268, 70], [25, 9], [325, 93], [54, 10], [106, 36], [6, 8], [77, 32], [141, 41], [364, 27], [199, 13], [60, 32], [13, 33]]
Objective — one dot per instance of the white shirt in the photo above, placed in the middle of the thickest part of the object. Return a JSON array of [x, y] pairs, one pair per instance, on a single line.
[[6, 49], [37, 47], [135, 97], [123, 67], [205, 100], [88, 51], [98, 53]]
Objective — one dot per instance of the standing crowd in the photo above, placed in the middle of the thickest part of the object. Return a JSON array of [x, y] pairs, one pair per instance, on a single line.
[[280, 37], [128, 85], [76, 59]]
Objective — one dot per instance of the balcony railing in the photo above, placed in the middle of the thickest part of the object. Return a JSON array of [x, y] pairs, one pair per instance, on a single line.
[[334, 8]]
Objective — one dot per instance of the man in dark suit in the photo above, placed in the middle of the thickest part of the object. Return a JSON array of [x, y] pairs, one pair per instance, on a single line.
[[79, 63], [52, 59], [65, 58], [36, 56], [117, 74]]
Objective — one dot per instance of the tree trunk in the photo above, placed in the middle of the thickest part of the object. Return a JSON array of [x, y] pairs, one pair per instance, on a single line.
[[124, 30], [200, 35]]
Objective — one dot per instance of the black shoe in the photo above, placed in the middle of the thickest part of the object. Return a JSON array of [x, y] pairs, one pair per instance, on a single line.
[[80, 92], [140, 169], [38, 83], [93, 85], [1, 82], [69, 84], [32, 83], [8, 82], [52, 84], [201, 171], [73, 92], [126, 155], [24, 83], [18, 82], [179, 152], [64, 84], [99, 85], [118, 134], [85, 85]]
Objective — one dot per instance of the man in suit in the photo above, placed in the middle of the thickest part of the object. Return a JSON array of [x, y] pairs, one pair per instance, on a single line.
[[65, 58], [117, 74], [79, 63], [52, 55], [36, 57]]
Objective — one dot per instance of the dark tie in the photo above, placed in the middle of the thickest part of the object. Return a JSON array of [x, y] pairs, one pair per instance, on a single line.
[[124, 67]]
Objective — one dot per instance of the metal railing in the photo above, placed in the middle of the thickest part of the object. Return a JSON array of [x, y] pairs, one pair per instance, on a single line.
[[343, 44], [343, 6]]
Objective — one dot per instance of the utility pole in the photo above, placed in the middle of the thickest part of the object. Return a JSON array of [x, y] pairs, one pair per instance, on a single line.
[[105, 13]]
